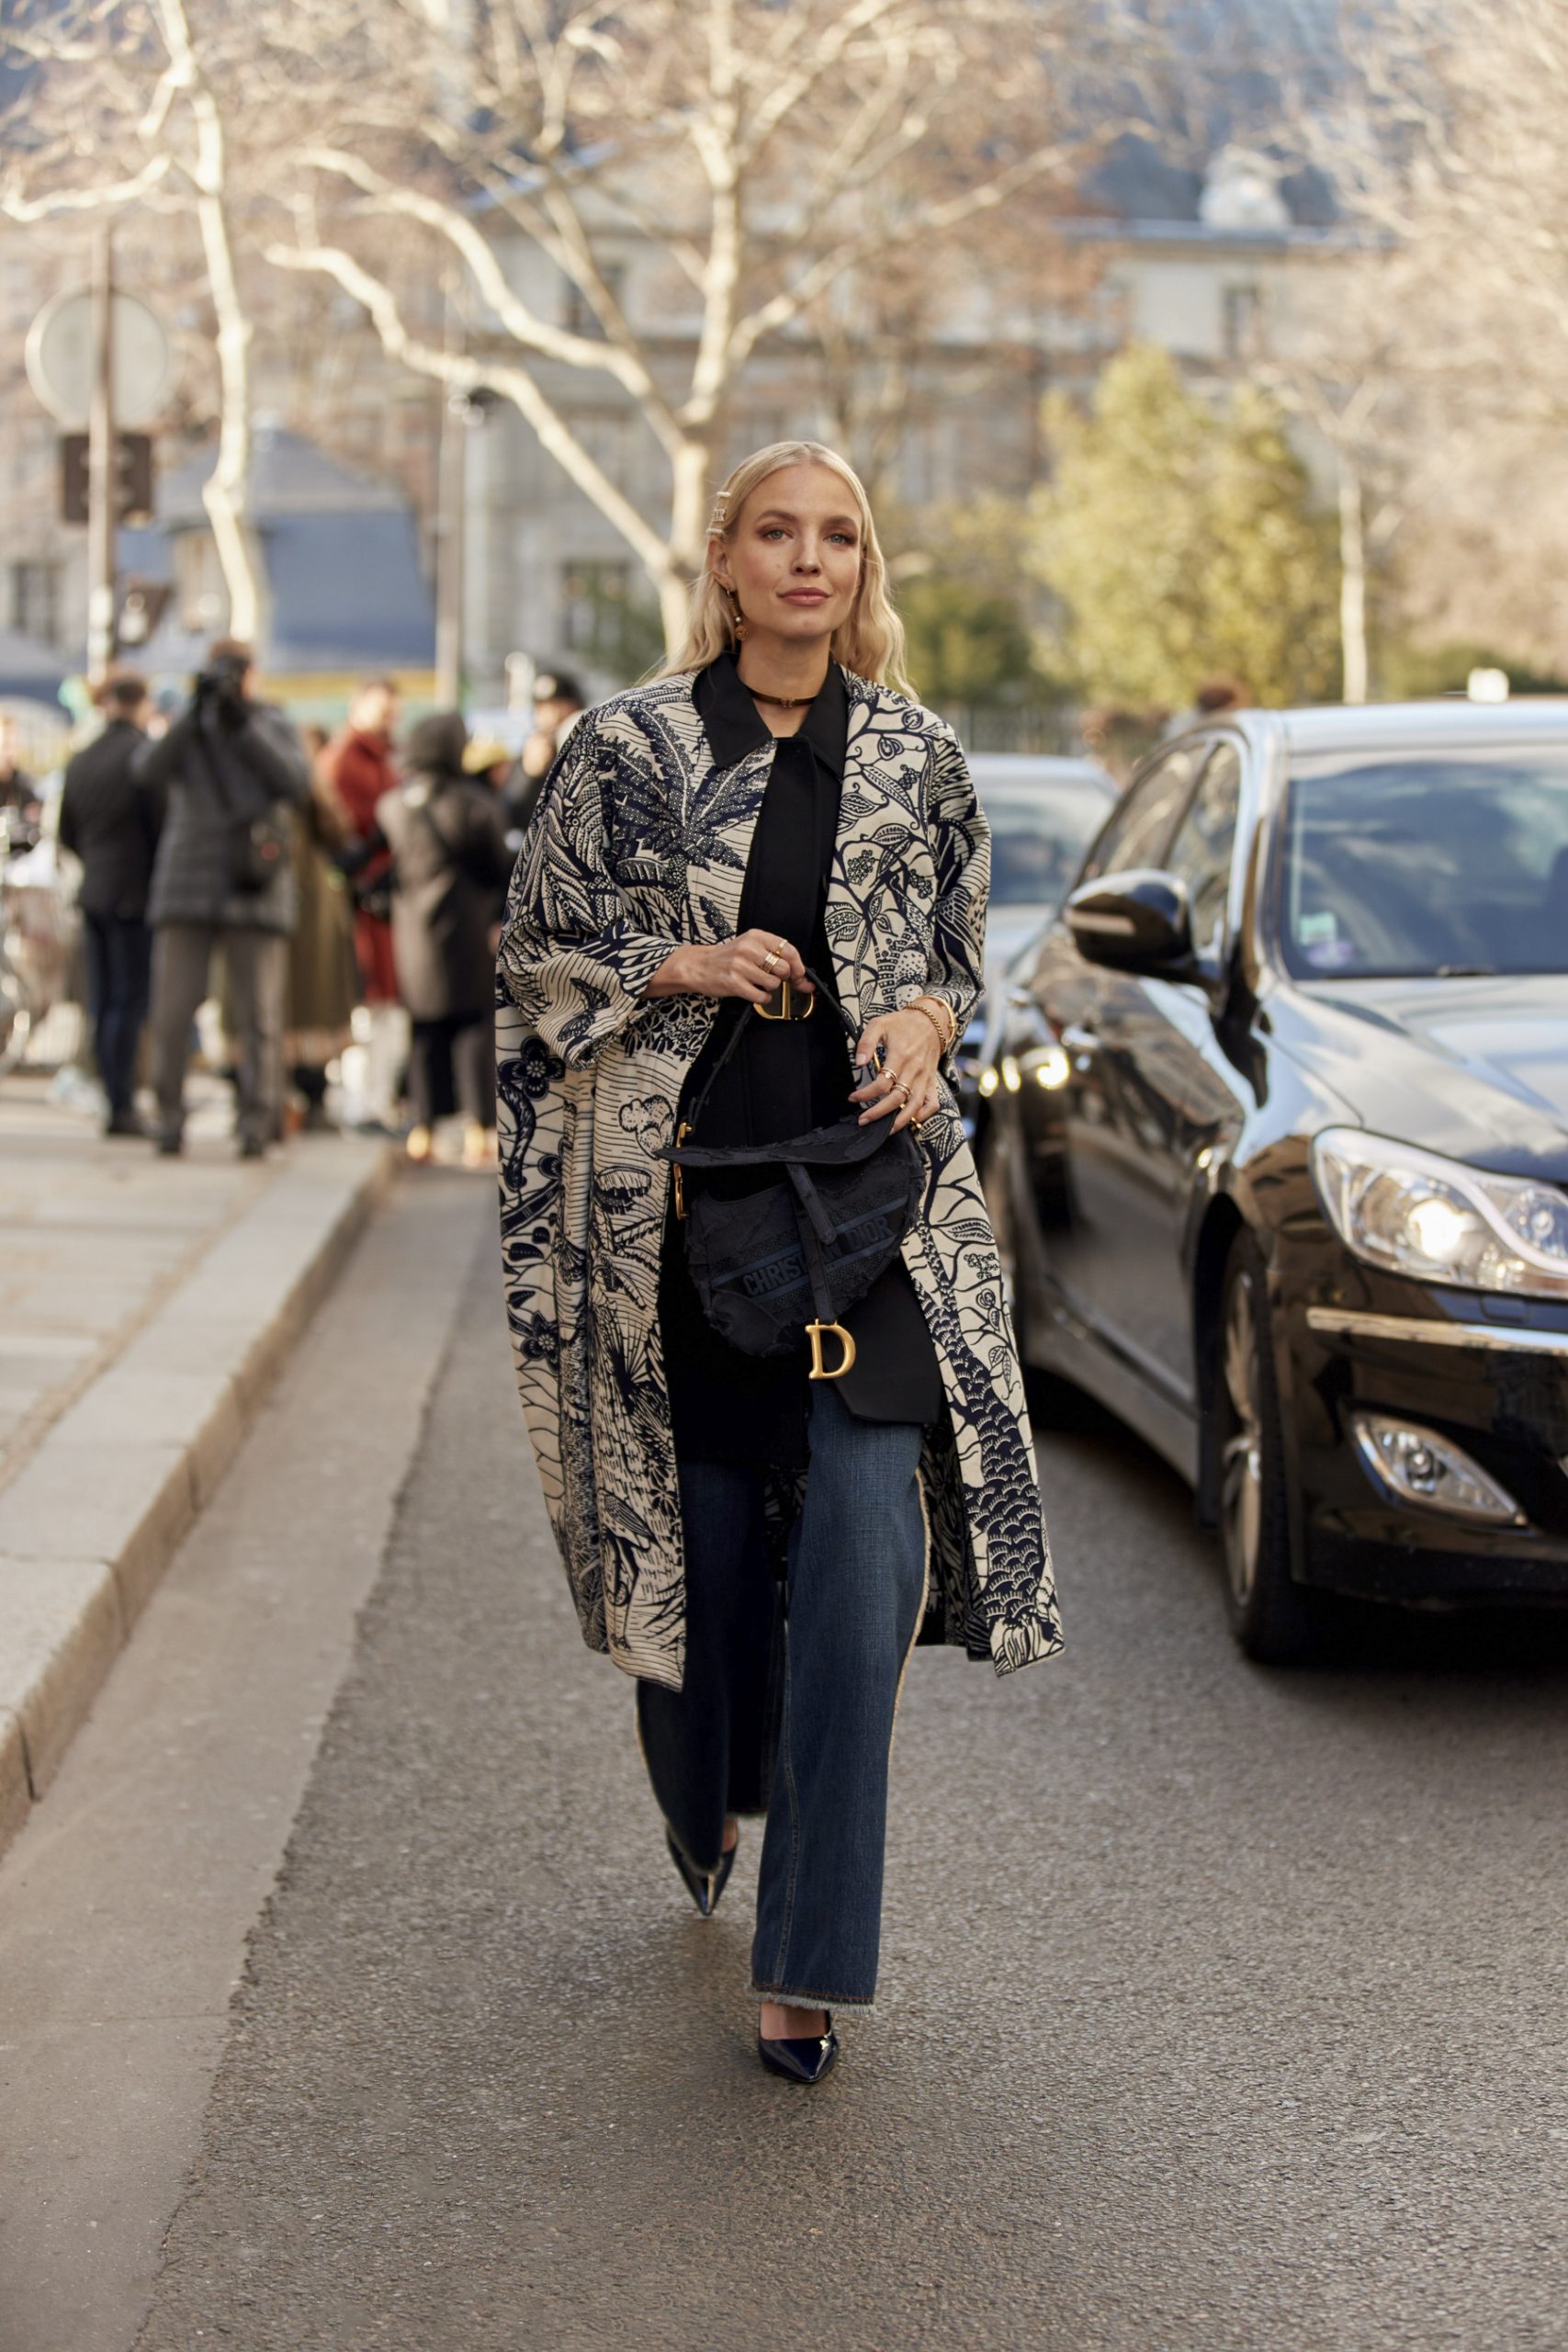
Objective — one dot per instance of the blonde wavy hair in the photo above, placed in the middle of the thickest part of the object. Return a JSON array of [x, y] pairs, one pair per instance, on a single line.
[[871, 642]]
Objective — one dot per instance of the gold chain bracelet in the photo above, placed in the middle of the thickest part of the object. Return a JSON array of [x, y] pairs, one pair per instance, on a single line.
[[945, 1033]]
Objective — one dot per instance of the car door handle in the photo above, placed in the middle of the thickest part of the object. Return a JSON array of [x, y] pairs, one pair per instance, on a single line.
[[1078, 1040]]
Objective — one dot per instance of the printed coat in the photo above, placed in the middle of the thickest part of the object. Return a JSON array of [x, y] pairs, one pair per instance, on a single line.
[[640, 844]]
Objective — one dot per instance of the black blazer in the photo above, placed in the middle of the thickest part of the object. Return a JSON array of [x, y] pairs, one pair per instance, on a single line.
[[448, 893], [111, 823]]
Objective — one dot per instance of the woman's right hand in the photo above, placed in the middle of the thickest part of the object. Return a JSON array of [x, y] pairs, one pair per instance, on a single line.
[[737, 966]]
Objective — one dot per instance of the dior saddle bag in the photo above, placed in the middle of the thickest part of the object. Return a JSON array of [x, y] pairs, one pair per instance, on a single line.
[[793, 1256]]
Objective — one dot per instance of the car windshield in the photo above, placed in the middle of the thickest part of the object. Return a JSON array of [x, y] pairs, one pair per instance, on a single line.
[[1039, 835], [1426, 865]]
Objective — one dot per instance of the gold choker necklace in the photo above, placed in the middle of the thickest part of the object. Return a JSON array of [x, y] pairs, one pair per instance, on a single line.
[[783, 702]]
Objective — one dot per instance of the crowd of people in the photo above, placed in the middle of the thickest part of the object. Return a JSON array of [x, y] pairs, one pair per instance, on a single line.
[[325, 891]]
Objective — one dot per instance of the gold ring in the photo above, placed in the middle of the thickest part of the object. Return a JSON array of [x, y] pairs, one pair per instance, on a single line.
[[903, 1089], [770, 960]]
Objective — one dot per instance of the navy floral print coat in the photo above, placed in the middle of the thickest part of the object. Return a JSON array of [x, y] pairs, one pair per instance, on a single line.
[[640, 842]]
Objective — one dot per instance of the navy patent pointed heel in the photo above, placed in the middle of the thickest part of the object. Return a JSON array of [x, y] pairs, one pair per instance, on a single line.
[[808, 2061], [704, 1887]]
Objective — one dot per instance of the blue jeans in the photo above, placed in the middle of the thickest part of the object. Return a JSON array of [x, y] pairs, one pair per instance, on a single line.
[[789, 1697], [117, 951]]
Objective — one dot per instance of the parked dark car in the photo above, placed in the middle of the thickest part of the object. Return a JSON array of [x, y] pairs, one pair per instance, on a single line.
[[1044, 811], [1280, 1158]]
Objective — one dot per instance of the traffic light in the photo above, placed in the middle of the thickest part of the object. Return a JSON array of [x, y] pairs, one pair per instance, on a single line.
[[132, 478]]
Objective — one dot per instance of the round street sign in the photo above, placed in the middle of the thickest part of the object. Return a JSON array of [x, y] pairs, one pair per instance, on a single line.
[[59, 360]]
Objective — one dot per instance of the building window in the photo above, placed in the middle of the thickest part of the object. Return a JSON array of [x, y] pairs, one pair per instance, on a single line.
[[604, 434], [1241, 321], [580, 318], [35, 600]]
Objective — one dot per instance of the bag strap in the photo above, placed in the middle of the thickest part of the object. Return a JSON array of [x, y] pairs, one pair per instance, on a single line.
[[737, 1031], [816, 1229]]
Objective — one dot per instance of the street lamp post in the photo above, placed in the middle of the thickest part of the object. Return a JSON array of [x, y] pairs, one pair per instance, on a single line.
[[102, 499], [450, 475]]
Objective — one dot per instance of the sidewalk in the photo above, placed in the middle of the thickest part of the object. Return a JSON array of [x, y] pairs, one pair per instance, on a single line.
[[145, 1306]]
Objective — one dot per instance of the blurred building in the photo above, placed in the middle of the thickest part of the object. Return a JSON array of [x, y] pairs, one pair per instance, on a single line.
[[1203, 263], [1200, 259], [346, 588]]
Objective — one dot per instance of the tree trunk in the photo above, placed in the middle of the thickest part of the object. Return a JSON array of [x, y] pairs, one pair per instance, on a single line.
[[226, 494], [688, 538], [1352, 580]]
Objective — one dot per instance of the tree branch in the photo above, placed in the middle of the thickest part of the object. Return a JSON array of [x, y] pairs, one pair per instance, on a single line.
[[523, 324], [466, 372], [110, 196]]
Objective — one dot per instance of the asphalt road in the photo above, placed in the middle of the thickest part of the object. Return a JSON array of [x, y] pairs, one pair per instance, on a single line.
[[1220, 2009]]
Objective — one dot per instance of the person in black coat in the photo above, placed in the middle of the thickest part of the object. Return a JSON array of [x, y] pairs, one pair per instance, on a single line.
[[451, 868], [20, 806], [108, 821], [234, 769]]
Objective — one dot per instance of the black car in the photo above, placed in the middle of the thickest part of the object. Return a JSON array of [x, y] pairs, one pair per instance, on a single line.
[[1279, 1158]]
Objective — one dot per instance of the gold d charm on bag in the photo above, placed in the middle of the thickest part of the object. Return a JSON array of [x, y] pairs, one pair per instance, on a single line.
[[814, 1332]]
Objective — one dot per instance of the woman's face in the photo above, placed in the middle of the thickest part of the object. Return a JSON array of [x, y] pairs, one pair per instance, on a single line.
[[793, 559]]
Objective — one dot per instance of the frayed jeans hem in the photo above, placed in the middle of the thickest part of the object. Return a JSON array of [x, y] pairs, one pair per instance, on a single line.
[[790, 2000]]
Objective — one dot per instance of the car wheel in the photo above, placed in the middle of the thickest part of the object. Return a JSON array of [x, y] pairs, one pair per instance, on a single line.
[[1276, 1620]]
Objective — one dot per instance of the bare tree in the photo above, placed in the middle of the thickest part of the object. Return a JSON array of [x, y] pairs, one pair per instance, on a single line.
[[120, 113], [1341, 364], [752, 156], [1444, 144], [189, 85], [1437, 376], [1448, 138]]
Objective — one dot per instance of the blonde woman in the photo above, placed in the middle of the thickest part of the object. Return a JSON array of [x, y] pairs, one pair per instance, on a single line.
[[758, 1546]]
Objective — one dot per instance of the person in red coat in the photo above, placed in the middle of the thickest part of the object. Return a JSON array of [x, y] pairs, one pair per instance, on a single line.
[[360, 768]]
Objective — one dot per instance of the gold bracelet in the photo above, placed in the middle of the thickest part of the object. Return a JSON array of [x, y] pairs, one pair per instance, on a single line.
[[945, 1037], [942, 1006]]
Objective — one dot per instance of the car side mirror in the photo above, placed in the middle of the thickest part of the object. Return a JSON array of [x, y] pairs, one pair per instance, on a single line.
[[1137, 922]]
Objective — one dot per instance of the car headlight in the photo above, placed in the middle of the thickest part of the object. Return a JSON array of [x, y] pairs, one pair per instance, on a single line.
[[1416, 1213]]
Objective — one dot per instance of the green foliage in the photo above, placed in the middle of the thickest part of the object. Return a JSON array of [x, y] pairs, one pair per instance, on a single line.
[[1411, 672], [964, 596], [1182, 542], [965, 646]]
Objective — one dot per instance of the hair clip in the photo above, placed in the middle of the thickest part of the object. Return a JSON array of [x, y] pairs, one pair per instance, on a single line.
[[716, 519]]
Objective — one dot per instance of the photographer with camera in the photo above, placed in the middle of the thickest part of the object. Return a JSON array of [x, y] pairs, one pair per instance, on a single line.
[[233, 768]]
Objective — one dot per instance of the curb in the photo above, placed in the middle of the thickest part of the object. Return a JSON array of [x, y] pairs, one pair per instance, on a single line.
[[89, 1525]]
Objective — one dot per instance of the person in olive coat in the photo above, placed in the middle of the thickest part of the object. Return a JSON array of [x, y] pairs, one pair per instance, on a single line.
[[451, 867], [234, 769], [111, 824]]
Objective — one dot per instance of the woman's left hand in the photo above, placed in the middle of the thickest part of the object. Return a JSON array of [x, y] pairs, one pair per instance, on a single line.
[[905, 1085]]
